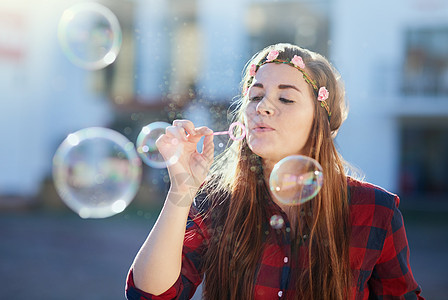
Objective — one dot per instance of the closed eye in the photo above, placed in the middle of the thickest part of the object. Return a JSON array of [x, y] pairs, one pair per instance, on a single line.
[[284, 100], [256, 98], [259, 98]]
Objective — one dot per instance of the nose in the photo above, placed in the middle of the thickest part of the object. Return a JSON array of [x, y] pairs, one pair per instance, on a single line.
[[264, 107]]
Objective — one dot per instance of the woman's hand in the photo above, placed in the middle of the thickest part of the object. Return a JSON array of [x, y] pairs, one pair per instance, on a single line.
[[190, 169], [158, 264]]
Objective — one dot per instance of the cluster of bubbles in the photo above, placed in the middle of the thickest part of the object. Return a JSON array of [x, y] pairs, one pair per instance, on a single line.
[[97, 171]]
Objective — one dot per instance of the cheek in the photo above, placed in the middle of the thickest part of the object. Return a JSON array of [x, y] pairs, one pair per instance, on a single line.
[[299, 125], [249, 112]]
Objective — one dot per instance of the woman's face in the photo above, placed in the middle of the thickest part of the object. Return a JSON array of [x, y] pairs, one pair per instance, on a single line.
[[279, 113]]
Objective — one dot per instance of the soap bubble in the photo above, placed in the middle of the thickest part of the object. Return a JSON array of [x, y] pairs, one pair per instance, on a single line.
[[296, 179], [96, 172], [90, 35], [147, 149], [277, 222]]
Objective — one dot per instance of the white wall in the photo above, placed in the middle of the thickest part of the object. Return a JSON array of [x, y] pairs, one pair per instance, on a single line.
[[43, 98], [368, 49], [149, 20], [225, 42]]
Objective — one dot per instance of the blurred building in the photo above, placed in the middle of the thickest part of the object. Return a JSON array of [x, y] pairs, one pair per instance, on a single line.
[[185, 58], [394, 59], [43, 97]]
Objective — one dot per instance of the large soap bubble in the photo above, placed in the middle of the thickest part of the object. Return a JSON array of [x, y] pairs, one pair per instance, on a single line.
[[96, 172], [296, 179], [90, 35]]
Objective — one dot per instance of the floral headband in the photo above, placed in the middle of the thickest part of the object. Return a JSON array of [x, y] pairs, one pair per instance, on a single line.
[[296, 62]]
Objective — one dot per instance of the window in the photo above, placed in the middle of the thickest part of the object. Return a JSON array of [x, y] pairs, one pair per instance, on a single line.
[[302, 23], [426, 62], [424, 145], [117, 79]]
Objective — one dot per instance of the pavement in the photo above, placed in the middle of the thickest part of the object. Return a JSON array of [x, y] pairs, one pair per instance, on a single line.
[[57, 255]]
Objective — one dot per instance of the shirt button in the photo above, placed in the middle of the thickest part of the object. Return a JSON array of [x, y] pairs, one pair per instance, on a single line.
[[285, 260], [280, 293]]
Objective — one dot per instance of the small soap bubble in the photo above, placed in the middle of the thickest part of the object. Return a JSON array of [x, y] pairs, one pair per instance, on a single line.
[[277, 222], [96, 172], [147, 149], [90, 35], [296, 179]]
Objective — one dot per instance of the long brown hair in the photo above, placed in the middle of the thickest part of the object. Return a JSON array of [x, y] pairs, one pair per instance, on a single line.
[[238, 197]]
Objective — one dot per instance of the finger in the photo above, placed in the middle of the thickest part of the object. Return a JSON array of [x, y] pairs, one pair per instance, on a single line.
[[203, 130], [166, 139], [187, 125], [176, 132], [198, 134], [161, 140]]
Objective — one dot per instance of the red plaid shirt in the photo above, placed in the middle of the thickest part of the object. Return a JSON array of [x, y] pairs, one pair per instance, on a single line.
[[379, 253]]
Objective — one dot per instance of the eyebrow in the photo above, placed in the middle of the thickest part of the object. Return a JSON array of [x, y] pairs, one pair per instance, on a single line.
[[280, 86], [288, 86]]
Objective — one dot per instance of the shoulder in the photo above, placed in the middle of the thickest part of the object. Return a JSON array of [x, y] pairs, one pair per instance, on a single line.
[[367, 194], [371, 206]]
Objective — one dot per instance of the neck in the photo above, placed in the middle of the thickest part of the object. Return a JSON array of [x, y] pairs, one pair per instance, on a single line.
[[268, 165]]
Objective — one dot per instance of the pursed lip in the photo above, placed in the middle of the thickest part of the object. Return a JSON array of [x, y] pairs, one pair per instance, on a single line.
[[262, 127]]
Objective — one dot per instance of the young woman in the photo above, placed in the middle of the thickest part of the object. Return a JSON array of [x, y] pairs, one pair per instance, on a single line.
[[348, 242]]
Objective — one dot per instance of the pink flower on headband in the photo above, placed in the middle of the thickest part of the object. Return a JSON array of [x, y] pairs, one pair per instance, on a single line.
[[252, 69], [323, 94], [272, 55], [298, 62]]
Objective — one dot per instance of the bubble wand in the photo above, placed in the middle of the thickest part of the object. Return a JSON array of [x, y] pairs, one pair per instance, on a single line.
[[230, 131]]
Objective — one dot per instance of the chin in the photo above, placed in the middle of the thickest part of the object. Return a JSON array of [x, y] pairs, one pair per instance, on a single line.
[[265, 152], [260, 150]]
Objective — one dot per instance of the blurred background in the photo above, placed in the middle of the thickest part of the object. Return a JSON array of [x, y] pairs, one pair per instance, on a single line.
[[183, 59]]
